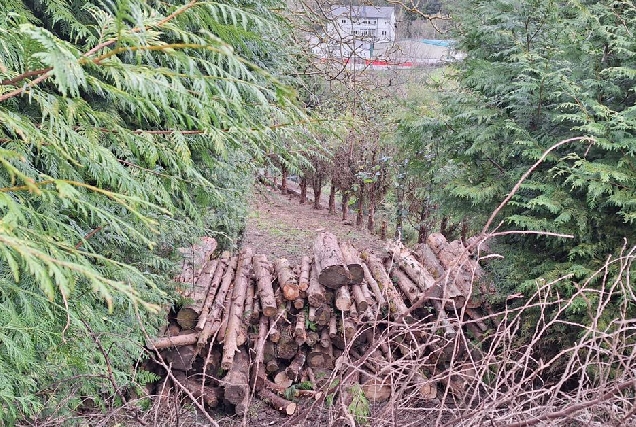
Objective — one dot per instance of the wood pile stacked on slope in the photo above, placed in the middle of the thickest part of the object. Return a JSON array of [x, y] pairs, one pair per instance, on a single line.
[[255, 325]]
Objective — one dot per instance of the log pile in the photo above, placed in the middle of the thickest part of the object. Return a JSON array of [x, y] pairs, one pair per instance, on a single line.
[[258, 325]]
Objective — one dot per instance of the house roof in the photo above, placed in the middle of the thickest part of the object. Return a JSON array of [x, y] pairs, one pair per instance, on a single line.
[[363, 11]]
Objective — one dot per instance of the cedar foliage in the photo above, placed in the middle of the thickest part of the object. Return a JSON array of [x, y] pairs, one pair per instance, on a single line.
[[538, 72], [127, 129]]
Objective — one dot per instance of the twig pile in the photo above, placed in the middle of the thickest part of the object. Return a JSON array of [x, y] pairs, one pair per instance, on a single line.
[[272, 328]]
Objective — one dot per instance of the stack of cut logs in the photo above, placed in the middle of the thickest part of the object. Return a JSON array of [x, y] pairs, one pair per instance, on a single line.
[[252, 324]]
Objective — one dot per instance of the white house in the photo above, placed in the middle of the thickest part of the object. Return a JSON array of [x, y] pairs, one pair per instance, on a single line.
[[356, 31]]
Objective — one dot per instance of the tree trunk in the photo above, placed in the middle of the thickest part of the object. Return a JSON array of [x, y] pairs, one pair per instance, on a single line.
[[360, 213], [383, 230], [303, 189], [345, 204], [423, 229], [332, 199], [371, 216], [330, 265], [283, 182], [317, 192]]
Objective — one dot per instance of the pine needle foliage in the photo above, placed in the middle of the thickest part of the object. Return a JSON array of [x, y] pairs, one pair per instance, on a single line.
[[127, 129]]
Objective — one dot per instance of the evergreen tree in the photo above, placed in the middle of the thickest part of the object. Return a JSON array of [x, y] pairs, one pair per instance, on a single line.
[[539, 72], [127, 128]]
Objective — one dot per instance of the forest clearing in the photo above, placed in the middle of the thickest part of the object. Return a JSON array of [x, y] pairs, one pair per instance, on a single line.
[[353, 213]]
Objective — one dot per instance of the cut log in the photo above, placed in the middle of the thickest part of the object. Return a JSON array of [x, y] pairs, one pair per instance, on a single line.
[[343, 298], [330, 265], [311, 316], [426, 389], [428, 259], [299, 303], [373, 284], [211, 395], [213, 321], [353, 262], [277, 402], [396, 303], [348, 329], [236, 387], [286, 279], [315, 291], [312, 338], [235, 321], [262, 272], [299, 332], [180, 358], [410, 289], [222, 322], [274, 332], [175, 341], [305, 270], [188, 315], [323, 315], [256, 312], [412, 267], [377, 389], [353, 312], [194, 258], [359, 297], [286, 348], [460, 269], [282, 380], [325, 339], [249, 300], [333, 327], [220, 270]]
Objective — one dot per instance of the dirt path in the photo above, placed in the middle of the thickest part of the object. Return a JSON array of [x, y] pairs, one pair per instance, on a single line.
[[280, 227]]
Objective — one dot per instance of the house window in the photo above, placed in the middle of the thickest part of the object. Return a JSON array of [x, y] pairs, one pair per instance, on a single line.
[[384, 33], [344, 21]]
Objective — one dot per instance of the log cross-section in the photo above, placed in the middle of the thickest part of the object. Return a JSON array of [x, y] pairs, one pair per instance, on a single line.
[[330, 265], [286, 279]]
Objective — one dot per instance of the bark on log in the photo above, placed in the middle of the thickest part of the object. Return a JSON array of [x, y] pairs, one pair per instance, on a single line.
[[277, 402], [460, 269], [213, 323], [235, 321], [249, 300], [323, 315], [329, 262], [286, 279], [222, 322], [299, 332], [282, 380], [180, 358], [428, 259], [305, 270], [359, 297], [411, 266], [211, 395], [312, 338], [189, 314], [396, 303], [377, 389], [410, 289], [236, 387], [353, 262], [262, 271], [373, 284], [220, 270], [343, 298], [175, 341], [286, 347], [315, 291]]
